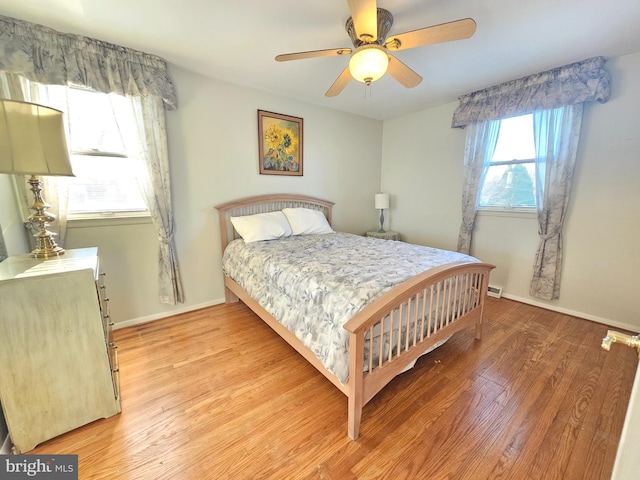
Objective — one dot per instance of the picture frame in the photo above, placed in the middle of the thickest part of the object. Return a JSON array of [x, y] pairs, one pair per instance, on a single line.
[[280, 144]]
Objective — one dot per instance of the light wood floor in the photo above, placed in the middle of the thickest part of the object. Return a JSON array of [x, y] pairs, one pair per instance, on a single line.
[[215, 394]]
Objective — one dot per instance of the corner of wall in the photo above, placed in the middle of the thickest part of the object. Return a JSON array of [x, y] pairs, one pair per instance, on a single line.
[[5, 449], [5, 446]]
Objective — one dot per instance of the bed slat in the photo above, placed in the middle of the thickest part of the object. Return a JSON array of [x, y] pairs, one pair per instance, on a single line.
[[425, 313]]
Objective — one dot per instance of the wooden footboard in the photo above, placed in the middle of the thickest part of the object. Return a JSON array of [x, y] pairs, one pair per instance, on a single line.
[[388, 335], [408, 320]]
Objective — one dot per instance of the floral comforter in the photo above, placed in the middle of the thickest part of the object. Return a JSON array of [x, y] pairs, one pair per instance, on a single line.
[[313, 284]]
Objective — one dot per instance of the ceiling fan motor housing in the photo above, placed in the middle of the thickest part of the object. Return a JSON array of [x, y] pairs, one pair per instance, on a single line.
[[385, 20]]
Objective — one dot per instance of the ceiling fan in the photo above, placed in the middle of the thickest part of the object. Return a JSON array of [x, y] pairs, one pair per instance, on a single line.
[[371, 57]]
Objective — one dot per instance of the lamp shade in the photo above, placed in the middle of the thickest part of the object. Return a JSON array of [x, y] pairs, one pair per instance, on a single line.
[[368, 63], [32, 140], [382, 201]]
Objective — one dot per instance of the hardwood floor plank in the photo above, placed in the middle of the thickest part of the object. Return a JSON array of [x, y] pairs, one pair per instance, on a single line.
[[523, 388], [532, 444], [217, 394], [593, 449]]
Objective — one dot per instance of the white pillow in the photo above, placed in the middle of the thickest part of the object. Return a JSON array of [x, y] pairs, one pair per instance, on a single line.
[[261, 226], [304, 221]]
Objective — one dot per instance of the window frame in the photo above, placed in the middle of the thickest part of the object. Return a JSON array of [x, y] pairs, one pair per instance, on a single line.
[[114, 217], [504, 210]]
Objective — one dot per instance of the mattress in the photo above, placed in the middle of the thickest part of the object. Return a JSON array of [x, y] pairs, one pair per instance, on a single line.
[[313, 284]]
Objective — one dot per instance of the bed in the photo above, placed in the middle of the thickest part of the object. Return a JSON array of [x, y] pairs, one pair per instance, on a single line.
[[381, 328]]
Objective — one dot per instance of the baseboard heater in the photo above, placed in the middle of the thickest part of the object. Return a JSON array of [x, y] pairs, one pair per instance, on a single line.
[[495, 292]]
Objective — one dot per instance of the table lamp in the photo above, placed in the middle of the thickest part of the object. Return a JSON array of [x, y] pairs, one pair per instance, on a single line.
[[33, 142], [382, 202]]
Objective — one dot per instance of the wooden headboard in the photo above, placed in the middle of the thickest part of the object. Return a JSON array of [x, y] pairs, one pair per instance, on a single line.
[[263, 204]]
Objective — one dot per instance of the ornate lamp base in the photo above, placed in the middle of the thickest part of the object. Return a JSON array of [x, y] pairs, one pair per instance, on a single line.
[[45, 244]]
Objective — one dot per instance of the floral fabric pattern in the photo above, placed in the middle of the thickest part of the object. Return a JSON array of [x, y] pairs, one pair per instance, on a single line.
[[156, 190], [480, 143], [313, 284], [46, 56], [568, 85], [556, 134]]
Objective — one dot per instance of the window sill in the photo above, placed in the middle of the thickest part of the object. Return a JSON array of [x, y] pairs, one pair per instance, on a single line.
[[97, 220], [508, 212]]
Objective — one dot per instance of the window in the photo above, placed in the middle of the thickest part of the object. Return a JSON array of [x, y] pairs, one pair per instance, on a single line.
[[105, 152], [510, 178]]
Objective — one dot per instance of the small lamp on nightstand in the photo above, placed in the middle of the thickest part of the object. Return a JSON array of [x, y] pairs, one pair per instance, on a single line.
[[33, 142], [381, 202]]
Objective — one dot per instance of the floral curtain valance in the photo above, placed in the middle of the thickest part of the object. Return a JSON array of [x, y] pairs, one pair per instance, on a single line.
[[46, 56], [575, 83]]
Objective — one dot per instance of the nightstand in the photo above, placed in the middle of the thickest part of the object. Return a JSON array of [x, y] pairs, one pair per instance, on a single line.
[[388, 235]]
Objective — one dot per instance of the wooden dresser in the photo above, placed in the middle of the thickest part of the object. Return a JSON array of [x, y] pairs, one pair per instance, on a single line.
[[58, 362]]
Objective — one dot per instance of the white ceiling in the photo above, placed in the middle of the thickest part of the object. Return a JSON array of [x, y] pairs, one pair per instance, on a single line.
[[236, 41]]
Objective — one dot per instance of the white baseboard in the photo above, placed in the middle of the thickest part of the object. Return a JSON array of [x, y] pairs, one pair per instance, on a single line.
[[573, 313], [159, 316], [529, 301]]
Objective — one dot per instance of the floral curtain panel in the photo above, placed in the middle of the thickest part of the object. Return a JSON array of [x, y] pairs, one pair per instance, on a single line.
[[556, 135], [156, 189], [46, 56], [482, 138], [568, 85]]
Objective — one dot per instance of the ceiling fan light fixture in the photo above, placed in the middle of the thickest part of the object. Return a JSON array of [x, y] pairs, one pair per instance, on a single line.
[[368, 63]]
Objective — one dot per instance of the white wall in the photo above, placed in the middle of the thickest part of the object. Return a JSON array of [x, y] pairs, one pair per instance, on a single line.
[[213, 150], [422, 170]]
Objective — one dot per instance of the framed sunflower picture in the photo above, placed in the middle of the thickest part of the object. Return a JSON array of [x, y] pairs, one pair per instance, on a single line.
[[279, 144]]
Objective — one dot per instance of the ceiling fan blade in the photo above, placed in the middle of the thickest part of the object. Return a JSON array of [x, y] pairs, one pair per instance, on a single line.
[[365, 19], [402, 73], [312, 54], [339, 84], [445, 32]]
